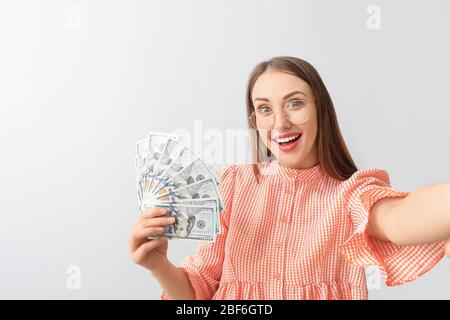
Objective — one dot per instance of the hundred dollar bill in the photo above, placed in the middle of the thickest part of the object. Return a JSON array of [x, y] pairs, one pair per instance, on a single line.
[[157, 143], [193, 173], [141, 156], [185, 158], [146, 157], [191, 222], [138, 184], [197, 171], [166, 167], [209, 202], [141, 168], [201, 189]]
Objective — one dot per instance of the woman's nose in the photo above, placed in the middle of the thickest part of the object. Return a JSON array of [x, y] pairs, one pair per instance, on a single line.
[[281, 120]]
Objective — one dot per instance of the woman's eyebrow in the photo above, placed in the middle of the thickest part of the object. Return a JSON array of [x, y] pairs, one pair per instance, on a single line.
[[284, 98]]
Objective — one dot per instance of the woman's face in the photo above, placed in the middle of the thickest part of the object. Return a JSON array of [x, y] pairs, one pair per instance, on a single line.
[[271, 87]]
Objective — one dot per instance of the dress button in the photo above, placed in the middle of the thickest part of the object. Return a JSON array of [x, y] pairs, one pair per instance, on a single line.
[[276, 276], [284, 220], [278, 245]]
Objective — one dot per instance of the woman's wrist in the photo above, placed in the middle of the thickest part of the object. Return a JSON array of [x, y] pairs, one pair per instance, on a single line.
[[164, 267], [174, 281]]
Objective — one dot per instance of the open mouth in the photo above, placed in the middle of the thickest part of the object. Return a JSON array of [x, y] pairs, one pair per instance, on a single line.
[[287, 140]]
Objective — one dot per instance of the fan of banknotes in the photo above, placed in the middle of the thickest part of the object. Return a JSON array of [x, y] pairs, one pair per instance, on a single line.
[[170, 175]]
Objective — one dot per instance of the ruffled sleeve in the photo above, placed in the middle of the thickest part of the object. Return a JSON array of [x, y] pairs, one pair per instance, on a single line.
[[204, 269], [398, 264]]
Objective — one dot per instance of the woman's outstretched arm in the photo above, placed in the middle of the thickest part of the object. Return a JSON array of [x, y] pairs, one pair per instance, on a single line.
[[422, 217]]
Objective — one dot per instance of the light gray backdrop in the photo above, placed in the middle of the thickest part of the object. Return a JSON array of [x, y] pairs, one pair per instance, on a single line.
[[82, 81]]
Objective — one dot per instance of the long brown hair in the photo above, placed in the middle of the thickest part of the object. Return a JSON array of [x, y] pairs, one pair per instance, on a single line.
[[333, 155]]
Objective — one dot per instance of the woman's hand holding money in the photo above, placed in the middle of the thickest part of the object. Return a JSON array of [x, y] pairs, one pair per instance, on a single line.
[[150, 254]]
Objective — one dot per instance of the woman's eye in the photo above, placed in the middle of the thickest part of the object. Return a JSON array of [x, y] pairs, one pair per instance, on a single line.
[[295, 104], [263, 109]]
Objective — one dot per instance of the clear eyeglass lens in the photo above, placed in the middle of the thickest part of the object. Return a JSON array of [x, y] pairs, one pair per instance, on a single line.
[[266, 120]]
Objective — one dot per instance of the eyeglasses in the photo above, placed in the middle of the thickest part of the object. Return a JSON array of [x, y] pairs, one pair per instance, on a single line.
[[296, 112]]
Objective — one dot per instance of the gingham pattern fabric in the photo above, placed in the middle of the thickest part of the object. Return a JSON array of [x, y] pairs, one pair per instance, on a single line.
[[300, 235]]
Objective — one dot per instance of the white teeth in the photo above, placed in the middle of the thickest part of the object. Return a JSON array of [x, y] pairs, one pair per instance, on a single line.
[[287, 139]]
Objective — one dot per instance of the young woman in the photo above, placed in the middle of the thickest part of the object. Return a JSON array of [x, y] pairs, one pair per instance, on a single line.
[[305, 224]]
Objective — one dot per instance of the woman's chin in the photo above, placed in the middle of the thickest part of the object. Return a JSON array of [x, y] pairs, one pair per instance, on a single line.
[[290, 160]]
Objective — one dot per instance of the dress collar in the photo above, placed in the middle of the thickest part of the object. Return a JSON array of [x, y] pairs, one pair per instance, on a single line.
[[295, 174]]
